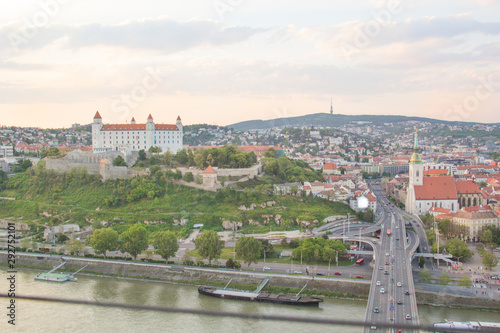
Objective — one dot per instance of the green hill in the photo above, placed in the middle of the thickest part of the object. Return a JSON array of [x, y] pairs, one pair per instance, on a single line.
[[328, 120]]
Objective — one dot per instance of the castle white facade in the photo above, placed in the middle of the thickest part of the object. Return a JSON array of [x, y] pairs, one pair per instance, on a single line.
[[134, 137]]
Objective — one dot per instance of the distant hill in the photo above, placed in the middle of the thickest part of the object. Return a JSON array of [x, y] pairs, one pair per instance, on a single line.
[[328, 120]]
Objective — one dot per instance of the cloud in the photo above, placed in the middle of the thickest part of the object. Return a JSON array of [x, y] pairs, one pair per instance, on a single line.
[[164, 34]]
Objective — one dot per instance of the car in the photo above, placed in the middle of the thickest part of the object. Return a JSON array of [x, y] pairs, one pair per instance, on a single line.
[[381, 268], [387, 263], [386, 273], [399, 331], [297, 272], [373, 327], [400, 302], [320, 274], [337, 273], [382, 290], [266, 268], [387, 253], [399, 284], [408, 317], [358, 276], [407, 293], [397, 239], [379, 283], [376, 310]]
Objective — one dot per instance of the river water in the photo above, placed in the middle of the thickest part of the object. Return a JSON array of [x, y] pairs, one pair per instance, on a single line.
[[49, 317]]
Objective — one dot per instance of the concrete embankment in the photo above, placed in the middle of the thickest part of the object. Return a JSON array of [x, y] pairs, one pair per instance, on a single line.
[[186, 274], [195, 275]]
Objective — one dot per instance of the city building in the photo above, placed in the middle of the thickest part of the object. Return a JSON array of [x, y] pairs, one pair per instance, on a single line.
[[135, 137], [475, 220]]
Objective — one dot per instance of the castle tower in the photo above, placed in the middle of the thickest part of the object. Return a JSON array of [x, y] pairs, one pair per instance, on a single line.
[[179, 123], [133, 121], [96, 129], [416, 177], [150, 130]]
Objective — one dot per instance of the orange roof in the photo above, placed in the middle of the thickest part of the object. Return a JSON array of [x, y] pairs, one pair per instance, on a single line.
[[209, 170], [440, 210], [150, 117], [436, 172], [467, 186], [133, 119], [97, 115], [436, 188], [370, 197], [330, 166], [178, 117], [138, 127]]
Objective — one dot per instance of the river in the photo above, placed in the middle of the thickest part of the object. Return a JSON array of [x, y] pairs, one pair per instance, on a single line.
[[47, 317]]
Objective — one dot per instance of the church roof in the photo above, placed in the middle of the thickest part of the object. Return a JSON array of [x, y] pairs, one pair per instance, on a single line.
[[97, 115], [436, 188], [209, 170], [467, 186]]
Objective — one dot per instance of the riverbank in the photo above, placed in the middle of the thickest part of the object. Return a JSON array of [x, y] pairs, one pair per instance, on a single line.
[[320, 286]]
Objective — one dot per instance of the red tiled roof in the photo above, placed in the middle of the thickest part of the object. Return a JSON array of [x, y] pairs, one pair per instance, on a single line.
[[476, 208], [467, 186], [138, 127], [178, 117], [150, 117], [436, 188], [440, 210], [97, 115], [436, 172], [370, 197], [209, 170], [330, 166]]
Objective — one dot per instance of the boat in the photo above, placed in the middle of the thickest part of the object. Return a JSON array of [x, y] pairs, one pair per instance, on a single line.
[[469, 326], [54, 276], [258, 296]]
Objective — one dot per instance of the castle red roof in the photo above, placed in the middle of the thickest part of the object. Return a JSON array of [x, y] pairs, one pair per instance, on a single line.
[[97, 115], [138, 127], [150, 117], [436, 188], [178, 117]]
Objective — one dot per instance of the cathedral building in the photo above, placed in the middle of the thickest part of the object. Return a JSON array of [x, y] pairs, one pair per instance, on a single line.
[[440, 191], [134, 137]]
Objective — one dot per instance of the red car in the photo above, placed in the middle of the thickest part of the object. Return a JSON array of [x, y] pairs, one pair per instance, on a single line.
[[337, 273], [358, 277], [387, 263]]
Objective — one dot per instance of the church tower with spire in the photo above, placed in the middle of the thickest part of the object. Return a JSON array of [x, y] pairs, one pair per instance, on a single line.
[[416, 177]]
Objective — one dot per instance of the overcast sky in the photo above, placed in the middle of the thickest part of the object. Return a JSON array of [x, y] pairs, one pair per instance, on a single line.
[[225, 61]]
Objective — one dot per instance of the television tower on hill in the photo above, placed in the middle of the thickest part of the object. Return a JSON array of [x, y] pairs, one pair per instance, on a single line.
[[331, 107]]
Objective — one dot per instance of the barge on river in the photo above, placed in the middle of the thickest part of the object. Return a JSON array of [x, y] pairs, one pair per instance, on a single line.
[[258, 296], [54, 276]]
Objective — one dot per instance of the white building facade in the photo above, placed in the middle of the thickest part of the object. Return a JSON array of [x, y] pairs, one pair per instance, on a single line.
[[134, 137]]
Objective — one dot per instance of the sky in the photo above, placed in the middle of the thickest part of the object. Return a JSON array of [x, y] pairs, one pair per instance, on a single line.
[[225, 61]]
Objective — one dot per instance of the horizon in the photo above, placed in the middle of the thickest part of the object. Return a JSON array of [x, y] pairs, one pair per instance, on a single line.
[[223, 62]]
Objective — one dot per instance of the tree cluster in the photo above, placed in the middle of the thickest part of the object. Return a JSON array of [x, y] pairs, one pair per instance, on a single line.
[[319, 249], [287, 170]]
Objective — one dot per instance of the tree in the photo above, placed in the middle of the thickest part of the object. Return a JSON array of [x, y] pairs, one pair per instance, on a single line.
[[490, 260], [249, 249], [61, 238], [209, 245], [105, 239], [154, 150], [188, 176], [421, 261], [458, 249], [134, 240], [425, 276], [165, 243], [119, 161], [486, 236], [25, 243], [142, 155], [464, 281], [154, 170], [182, 157], [444, 279], [74, 246], [271, 153]]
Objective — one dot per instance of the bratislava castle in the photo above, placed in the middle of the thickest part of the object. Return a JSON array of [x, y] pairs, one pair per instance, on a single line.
[[134, 137]]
